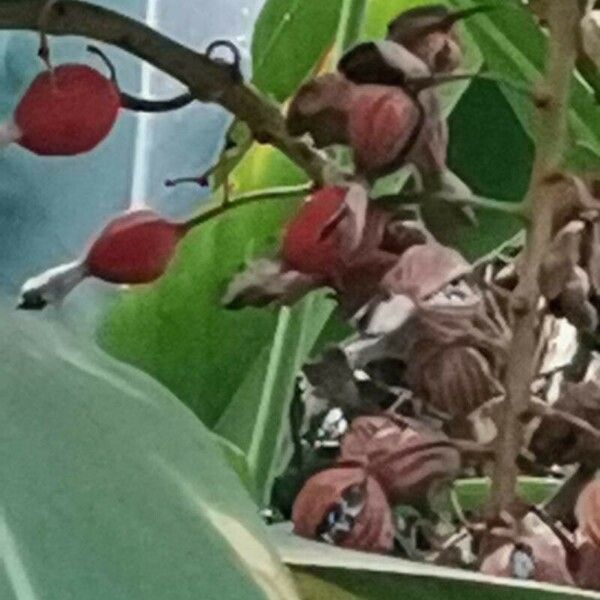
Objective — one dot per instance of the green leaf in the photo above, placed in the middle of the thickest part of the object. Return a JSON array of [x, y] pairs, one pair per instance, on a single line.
[[514, 47], [111, 488], [257, 417], [473, 493], [176, 329], [324, 571], [482, 124], [289, 38]]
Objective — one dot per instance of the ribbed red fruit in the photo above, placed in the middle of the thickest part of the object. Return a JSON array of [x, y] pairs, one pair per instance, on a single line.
[[382, 123], [67, 111], [134, 248], [307, 245]]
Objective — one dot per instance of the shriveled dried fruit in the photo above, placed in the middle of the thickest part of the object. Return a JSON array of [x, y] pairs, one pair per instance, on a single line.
[[587, 574], [587, 513], [558, 442], [456, 380], [410, 460], [537, 555], [266, 281], [424, 269], [427, 32], [346, 507], [320, 108]]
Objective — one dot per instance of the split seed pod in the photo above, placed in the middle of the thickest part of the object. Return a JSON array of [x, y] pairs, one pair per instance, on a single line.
[[346, 507], [409, 460]]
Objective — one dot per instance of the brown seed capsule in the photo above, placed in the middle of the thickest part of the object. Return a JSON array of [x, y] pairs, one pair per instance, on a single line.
[[587, 512], [408, 459], [346, 507], [537, 557]]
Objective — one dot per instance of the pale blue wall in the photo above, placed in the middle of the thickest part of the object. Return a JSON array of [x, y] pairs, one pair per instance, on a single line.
[[49, 207]]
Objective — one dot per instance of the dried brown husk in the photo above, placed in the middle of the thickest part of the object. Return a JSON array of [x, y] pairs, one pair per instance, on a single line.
[[535, 538], [409, 460], [587, 575], [570, 273], [384, 240], [424, 269], [587, 513], [557, 441], [456, 357], [373, 530], [268, 281], [320, 108]]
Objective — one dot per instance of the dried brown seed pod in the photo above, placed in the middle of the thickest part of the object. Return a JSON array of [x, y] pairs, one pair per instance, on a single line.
[[558, 442], [455, 380], [320, 108], [427, 31], [587, 512], [587, 574], [346, 507], [408, 459], [538, 555], [424, 269]]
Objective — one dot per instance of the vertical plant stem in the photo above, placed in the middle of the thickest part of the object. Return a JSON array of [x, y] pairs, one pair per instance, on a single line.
[[552, 109]]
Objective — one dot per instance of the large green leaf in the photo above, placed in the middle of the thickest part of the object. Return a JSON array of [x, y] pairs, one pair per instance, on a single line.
[[111, 488], [325, 571], [481, 125], [289, 38], [514, 47]]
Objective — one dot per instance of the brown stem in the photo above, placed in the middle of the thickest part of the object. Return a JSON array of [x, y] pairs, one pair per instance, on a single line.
[[563, 22], [207, 79], [245, 199]]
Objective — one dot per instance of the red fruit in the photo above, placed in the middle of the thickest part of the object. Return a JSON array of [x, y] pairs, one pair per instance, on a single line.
[[307, 246], [383, 125], [134, 248], [65, 112]]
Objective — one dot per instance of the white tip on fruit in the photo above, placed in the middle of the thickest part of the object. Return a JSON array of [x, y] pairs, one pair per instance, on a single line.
[[9, 133], [51, 286]]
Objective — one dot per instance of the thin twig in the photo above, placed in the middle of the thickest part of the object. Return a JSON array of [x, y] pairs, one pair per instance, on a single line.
[[513, 208], [277, 193], [543, 409]]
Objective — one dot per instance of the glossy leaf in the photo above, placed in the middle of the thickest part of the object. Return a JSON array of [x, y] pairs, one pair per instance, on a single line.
[[110, 487], [513, 46], [324, 571], [481, 124], [289, 39]]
